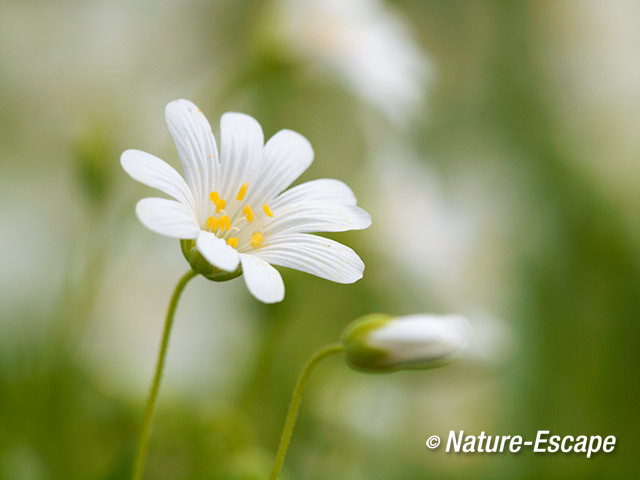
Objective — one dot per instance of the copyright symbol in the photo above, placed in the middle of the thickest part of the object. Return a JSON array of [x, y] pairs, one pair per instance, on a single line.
[[433, 441]]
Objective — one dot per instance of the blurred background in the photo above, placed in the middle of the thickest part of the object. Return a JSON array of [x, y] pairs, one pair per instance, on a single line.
[[495, 145]]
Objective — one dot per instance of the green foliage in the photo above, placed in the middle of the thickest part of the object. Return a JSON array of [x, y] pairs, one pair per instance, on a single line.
[[561, 264]]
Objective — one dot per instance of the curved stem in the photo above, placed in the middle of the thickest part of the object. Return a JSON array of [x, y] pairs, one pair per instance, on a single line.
[[152, 400], [294, 406]]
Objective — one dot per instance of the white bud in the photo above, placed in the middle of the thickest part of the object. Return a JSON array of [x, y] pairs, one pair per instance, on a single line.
[[384, 343]]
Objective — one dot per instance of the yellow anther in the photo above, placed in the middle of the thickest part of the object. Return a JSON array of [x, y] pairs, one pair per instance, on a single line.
[[233, 242], [220, 204], [242, 192], [248, 213], [256, 239], [225, 223], [267, 210], [214, 197], [213, 223]]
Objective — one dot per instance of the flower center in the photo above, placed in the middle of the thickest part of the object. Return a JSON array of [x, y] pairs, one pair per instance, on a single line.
[[224, 226]]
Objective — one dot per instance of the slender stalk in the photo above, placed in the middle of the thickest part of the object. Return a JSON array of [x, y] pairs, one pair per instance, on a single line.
[[294, 406], [152, 400]]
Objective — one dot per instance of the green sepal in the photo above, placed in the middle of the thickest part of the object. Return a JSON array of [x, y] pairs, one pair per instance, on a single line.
[[358, 354], [204, 268]]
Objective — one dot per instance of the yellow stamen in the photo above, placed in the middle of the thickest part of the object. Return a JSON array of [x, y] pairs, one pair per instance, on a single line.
[[225, 223], [267, 210], [220, 204], [256, 239], [248, 213], [233, 242], [214, 197], [243, 191], [213, 223]]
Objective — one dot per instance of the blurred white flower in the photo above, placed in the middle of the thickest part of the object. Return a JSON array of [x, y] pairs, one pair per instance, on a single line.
[[231, 210], [593, 85], [366, 45], [450, 233], [438, 237]]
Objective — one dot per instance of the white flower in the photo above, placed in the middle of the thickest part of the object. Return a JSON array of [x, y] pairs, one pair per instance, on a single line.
[[231, 213], [381, 343], [446, 253], [366, 45]]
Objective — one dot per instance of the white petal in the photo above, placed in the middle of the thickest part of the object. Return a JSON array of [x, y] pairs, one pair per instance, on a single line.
[[317, 217], [156, 173], [422, 338], [318, 256], [196, 147], [217, 252], [264, 281], [286, 156], [320, 190], [241, 147], [167, 217]]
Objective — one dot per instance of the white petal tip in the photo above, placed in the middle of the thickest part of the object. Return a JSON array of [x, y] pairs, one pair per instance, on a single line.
[[263, 281], [355, 278], [364, 219], [242, 126], [167, 217], [128, 157], [236, 115], [178, 107], [354, 274], [270, 300], [125, 154], [180, 103]]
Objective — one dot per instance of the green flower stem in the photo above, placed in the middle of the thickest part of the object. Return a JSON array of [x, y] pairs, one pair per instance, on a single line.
[[296, 398], [155, 386]]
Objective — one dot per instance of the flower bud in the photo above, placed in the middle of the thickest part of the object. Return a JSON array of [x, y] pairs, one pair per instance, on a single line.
[[383, 343], [93, 165]]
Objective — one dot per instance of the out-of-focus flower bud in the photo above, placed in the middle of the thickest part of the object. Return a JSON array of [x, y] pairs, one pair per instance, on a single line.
[[383, 343], [93, 161]]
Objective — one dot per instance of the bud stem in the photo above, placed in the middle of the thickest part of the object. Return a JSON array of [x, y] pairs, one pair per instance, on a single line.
[[155, 386], [296, 398]]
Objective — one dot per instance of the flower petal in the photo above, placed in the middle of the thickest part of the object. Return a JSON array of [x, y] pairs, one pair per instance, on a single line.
[[317, 217], [217, 252], [196, 147], [421, 339], [241, 147], [167, 217], [326, 190], [263, 281], [318, 256], [150, 170], [286, 156]]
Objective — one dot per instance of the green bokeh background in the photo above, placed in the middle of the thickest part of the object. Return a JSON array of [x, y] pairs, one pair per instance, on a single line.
[[531, 130]]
